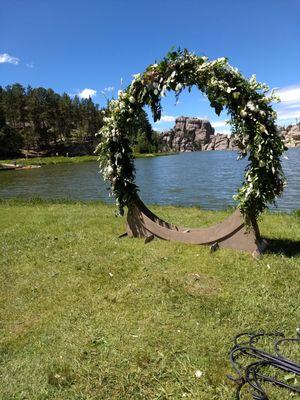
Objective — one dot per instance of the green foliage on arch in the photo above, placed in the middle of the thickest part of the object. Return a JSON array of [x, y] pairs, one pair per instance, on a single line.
[[246, 101]]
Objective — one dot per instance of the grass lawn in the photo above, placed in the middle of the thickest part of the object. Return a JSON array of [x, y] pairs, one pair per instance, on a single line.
[[88, 316], [78, 159]]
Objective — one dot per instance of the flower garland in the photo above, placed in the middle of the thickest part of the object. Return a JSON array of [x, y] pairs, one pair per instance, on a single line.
[[252, 121]]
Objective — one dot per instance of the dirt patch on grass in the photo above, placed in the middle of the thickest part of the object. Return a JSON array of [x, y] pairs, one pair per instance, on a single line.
[[21, 326], [200, 284]]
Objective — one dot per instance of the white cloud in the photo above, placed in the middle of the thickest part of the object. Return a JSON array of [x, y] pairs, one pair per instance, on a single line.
[[166, 118], [224, 132], [288, 114], [218, 124], [289, 94], [30, 65], [205, 117], [215, 124], [6, 58], [292, 106], [86, 93], [108, 89], [289, 107]]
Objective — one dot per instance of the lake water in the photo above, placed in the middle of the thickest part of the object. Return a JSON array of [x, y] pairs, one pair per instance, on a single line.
[[207, 179]]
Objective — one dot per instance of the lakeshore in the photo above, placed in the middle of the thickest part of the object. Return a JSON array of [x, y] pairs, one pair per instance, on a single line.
[[74, 160]]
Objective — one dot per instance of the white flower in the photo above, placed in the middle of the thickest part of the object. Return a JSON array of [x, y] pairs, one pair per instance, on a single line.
[[229, 89], [132, 99], [178, 87], [253, 80], [111, 274], [250, 105], [109, 170], [173, 74], [155, 92], [198, 373]]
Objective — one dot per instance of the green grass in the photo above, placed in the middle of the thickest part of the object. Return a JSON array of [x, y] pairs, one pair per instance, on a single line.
[[50, 160], [78, 159], [88, 316]]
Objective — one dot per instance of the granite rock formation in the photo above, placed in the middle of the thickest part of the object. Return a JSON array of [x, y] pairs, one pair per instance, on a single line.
[[188, 134], [221, 141], [291, 135], [192, 134]]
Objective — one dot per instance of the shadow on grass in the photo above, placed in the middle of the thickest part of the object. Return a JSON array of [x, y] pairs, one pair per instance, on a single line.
[[287, 247]]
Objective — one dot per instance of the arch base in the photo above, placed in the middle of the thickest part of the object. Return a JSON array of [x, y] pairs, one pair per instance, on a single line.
[[230, 233]]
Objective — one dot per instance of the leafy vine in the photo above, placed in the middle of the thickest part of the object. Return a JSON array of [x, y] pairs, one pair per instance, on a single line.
[[252, 119]]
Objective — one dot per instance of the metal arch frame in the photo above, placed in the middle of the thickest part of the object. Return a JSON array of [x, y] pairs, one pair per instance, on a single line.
[[230, 233]]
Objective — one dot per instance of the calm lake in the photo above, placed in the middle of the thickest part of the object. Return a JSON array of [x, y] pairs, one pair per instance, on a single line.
[[206, 179]]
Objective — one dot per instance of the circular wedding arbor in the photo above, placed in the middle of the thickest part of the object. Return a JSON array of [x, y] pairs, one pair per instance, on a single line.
[[253, 124]]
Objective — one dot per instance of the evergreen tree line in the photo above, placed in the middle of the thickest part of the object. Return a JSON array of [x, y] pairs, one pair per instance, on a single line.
[[40, 119], [36, 120]]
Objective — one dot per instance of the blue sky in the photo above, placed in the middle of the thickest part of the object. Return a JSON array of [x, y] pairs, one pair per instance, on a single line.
[[87, 47]]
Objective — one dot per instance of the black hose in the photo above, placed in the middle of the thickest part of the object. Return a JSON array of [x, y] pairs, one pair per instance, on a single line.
[[245, 345]]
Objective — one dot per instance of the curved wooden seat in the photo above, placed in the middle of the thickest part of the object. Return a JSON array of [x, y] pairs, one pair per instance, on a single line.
[[142, 222]]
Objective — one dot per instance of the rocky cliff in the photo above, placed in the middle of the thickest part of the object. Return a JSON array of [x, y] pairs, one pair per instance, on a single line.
[[221, 142], [291, 135], [188, 134], [192, 134]]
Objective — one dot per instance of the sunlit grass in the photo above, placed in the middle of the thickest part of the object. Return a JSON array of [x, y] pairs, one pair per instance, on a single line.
[[85, 315], [77, 159]]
